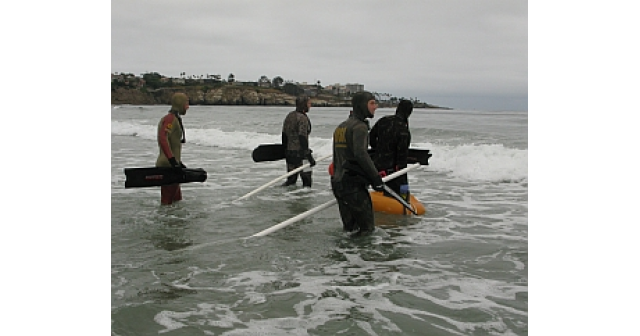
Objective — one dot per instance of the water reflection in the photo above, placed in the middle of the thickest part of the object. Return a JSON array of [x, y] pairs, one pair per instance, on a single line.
[[386, 221], [381, 246], [170, 228], [299, 201]]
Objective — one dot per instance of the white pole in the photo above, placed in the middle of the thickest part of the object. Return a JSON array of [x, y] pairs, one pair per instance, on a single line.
[[276, 180], [325, 205], [295, 219]]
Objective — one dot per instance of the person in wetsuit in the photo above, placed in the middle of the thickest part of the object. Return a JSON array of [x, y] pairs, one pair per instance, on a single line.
[[390, 138], [170, 137], [353, 169], [295, 139]]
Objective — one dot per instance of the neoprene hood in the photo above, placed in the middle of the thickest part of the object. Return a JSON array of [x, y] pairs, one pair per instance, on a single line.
[[301, 104], [178, 100], [359, 103], [404, 109]]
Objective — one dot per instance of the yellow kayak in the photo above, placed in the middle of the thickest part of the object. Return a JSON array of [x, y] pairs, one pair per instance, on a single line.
[[389, 205]]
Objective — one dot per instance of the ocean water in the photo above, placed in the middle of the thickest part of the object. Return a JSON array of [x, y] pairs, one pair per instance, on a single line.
[[193, 269]]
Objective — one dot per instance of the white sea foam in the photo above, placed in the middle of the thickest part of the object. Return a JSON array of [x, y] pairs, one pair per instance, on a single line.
[[168, 319], [485, 162], [325, 301]]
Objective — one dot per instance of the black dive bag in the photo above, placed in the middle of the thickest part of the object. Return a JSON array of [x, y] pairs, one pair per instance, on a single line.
[[159, 176], [275, 152]]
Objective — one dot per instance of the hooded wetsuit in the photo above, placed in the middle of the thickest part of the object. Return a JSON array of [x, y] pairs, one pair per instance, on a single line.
[[353, 168], [295, 138], [170, 138], [390, 138]]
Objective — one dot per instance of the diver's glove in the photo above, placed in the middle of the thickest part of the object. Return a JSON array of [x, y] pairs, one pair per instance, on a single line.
[[377, 184], [312, 161], [174, 162]]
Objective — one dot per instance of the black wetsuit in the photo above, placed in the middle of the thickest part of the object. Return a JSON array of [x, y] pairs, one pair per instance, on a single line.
[[390, 138], [295, 137]]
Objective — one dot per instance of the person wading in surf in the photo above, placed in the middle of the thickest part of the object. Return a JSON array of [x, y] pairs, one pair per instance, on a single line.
[[295, 139], [353, 169], [171, 136], [390, 138]]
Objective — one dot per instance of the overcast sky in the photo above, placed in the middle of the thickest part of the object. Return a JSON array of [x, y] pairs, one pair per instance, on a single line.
[[465, 54]]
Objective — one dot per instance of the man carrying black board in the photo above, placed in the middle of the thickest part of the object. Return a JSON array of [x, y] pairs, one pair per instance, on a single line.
[[390, 139], [295, 140], [170, 139]]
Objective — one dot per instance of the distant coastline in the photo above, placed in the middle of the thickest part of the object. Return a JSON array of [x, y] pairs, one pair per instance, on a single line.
[[154, 89], [233, 96]]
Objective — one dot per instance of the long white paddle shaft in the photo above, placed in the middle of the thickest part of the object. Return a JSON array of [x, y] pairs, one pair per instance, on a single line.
[[325, 205], [279, 178]]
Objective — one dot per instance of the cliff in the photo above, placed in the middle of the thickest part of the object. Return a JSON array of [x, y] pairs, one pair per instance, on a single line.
[[231, 95], [225, 95]]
